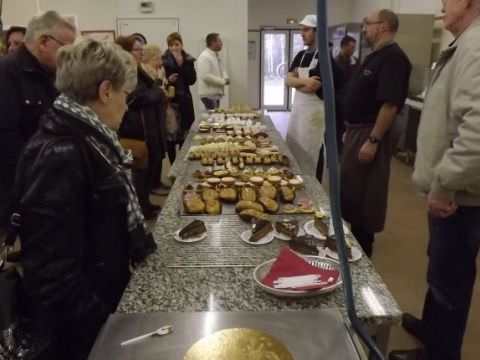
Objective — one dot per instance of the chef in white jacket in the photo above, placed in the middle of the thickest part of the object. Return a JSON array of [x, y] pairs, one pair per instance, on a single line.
[[307, 124], [212, 73]]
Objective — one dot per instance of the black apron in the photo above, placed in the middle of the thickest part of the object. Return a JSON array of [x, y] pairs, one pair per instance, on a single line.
[[364, 186]]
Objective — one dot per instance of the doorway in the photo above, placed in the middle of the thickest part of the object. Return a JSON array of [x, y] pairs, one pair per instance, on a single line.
[[278, 48]]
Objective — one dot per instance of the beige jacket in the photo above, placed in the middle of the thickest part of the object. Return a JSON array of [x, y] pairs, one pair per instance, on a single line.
[[211, 73], [448, 144]]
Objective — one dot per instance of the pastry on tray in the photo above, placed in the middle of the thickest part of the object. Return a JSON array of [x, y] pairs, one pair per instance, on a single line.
[[269, 204], [332, 245], [194, 229], [289, 209], [228, 194], [248, 194], [320, 225], [267, 190], [193, 204], [287, 193], [256, 180], [250, 214], [244, 205], [210, 194], [306, 245], [260, 229], [213, 207], [287, 227]]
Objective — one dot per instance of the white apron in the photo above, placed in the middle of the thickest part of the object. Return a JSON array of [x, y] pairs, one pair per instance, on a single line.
[[307, 125]]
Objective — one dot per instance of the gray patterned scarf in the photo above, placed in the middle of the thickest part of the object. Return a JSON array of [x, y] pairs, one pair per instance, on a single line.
[[121, 165]]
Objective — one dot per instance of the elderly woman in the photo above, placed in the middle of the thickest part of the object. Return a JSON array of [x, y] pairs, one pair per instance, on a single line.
[[81, 224], [141, 122]]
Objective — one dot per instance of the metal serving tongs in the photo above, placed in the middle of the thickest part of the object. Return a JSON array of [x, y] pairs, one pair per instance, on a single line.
[[164, 330]]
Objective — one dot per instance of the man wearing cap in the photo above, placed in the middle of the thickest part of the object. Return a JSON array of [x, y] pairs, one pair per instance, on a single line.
[[375, 95], [307, 124]]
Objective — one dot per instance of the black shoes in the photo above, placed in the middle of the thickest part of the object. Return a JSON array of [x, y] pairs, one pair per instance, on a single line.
[[415, 354], [414, 326]]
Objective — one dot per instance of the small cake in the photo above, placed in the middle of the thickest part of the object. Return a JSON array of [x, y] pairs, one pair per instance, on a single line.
[[269, 204], [213, 207], [332, 245], [287, 194], [244, 205], [287, 227], [304, 245], [296, 183], [228, 180], [213, 181], [249, 214], [256, 180], [274, 179], [320, 225], [228, 194], [289, 209], [195, 228], [260, 229]]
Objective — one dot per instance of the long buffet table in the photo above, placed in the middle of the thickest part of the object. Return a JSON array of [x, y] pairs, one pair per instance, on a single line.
[[215, 275]]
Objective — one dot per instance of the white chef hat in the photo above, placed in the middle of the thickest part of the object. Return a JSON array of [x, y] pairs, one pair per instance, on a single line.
[[310, 21]]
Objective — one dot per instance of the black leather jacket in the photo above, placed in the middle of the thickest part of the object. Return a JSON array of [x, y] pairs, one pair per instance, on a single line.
[[26, 92], [74, 235]]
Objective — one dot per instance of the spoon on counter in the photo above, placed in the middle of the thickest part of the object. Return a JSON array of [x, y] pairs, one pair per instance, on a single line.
[[164, 330]]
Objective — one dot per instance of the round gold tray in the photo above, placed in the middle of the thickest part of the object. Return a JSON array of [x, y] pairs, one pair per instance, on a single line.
[[238, 344]]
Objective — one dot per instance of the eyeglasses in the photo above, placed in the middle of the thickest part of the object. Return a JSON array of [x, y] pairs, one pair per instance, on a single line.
[[367, 22], [61, 43]]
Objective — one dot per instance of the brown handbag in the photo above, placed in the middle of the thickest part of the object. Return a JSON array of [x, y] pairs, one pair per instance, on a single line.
[[138, 148]]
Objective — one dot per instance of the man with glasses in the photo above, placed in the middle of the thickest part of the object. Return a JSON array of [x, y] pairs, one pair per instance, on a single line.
[[447, 171], [376, 94], [27, 89]]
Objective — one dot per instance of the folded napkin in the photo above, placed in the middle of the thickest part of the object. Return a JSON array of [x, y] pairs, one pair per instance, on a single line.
[[290, 264]]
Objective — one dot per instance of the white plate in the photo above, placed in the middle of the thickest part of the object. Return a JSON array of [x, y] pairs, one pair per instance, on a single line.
[[283, 237], [356, 254], [200, 237], [310, 229], [263, 269], [262, 241]]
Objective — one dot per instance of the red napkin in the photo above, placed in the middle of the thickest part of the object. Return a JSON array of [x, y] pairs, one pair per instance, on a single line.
[[290, 264]]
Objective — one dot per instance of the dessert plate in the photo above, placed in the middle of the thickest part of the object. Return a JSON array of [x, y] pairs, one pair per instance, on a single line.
[[197, 238], [310, 229], [356, 254], [262, 241]]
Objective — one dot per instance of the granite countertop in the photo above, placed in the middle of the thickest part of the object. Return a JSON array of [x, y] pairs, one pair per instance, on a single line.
[[216, 273]]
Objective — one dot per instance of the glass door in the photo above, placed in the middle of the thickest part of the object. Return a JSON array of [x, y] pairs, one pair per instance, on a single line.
[[279, 47], [274, 65], [296, 45]]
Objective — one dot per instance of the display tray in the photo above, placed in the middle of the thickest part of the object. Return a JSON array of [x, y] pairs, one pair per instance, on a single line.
[[229, 208]]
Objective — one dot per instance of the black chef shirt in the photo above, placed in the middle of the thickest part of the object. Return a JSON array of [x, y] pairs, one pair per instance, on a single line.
[[338, 77], [383, 77]]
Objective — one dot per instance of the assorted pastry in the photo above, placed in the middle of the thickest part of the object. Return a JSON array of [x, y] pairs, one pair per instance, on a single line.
[[192, 230], [287, 227], [260, 229]]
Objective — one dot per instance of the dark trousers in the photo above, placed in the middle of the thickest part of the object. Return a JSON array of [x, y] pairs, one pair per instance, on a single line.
[[364, 238], [453, 248], [210, 104]]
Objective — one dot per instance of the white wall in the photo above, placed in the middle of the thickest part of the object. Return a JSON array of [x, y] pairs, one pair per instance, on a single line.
[[276, 12], [362, 8], [197, 19]]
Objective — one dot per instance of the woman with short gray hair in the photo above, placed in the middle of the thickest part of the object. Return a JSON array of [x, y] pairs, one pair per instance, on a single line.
[[81, 224]]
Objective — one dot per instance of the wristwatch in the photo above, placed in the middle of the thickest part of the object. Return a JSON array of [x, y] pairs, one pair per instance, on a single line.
[[373, 139]]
